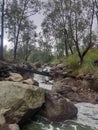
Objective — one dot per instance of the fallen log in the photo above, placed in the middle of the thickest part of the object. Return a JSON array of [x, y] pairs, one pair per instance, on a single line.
[[33, 71], [5, 67]]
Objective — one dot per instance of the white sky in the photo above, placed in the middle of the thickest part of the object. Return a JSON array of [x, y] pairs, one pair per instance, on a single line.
[[38, 18]]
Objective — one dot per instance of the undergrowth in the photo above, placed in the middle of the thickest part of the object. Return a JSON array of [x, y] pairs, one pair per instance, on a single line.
[[72, 62]]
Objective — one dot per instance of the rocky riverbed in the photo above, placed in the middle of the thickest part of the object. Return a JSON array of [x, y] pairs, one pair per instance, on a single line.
[[79, 88], [21, 99], [20, 92]]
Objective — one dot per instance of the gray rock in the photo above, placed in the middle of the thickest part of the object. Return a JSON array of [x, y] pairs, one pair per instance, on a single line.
[[15, 77], [16, 99], [9, 127], [13, 127], [58, 108], [31, 82]]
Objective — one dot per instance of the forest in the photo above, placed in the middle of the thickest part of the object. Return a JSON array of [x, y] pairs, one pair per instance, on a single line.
[[68, 27]]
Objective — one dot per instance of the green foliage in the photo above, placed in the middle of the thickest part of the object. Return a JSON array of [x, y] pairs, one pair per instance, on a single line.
[[58, 60], [72, 62], [55, 61], [20, 28], [8, 53], [65, 22], [88, 66], [40, 56]]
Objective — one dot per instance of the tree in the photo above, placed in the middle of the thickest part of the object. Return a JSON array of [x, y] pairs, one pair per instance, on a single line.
[[17, 13], [58, 17], [71, 22], [2, 30], [45, 47], [57, 22], [77, 23], [28, 40]]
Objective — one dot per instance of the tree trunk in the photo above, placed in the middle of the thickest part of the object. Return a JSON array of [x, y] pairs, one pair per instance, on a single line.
[[66, 49], [16, 44], [65, 42], [71, 50], [15, 50], [90, 43], [2, 31], [19, 25]]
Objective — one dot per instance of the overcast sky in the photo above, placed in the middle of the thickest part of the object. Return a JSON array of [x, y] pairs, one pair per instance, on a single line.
[[38, 18]]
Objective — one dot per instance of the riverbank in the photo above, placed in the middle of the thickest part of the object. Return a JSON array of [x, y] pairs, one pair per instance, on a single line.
[[75, 81], [76, 90]]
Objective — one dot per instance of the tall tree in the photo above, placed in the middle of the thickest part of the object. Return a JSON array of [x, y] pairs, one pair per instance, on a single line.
[[88, 23], [58, 15], [28, 40], [2, 29], [71, 21], [18, 12]]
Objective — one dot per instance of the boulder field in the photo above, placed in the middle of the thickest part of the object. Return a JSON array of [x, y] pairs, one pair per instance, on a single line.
[[19, 102]]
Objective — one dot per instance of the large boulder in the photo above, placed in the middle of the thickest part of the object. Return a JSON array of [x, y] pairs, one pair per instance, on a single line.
[[58, 108], [18, 99]]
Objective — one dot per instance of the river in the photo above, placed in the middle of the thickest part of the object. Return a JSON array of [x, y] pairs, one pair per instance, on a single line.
[[87, 118]]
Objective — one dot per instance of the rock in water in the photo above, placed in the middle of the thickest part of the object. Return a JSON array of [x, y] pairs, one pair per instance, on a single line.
[[16, 99], [58, 108]]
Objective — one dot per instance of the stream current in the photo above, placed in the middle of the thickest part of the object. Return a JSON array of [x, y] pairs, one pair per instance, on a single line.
[[87, 118]]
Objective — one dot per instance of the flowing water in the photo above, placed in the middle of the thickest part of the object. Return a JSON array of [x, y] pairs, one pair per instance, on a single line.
[[42, 80], [87, 118]]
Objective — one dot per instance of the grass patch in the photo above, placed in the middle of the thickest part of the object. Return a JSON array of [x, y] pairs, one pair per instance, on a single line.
[[59, 60], [72, 62], [88, 66]]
